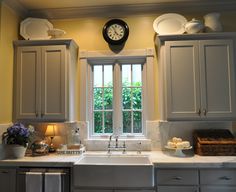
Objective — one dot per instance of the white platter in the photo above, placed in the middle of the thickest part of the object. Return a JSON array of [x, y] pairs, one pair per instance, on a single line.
[[35, 29], [170, 23]]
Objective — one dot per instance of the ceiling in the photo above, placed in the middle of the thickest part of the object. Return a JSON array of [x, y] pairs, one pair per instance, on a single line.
[[58, 9]]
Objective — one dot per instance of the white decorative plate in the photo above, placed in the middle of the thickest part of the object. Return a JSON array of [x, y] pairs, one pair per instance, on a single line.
[[170, 23], [35, 28]]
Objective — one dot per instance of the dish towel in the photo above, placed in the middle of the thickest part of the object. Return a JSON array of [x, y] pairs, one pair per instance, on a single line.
[[34, 182], [53, 182]]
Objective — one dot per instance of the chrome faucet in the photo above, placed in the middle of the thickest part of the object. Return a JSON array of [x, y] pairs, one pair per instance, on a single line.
[[115, 147]]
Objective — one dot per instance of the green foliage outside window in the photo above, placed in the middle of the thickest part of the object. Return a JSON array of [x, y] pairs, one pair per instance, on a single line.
[[103, 101]]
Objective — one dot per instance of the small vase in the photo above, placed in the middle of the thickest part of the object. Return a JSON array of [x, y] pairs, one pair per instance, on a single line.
[[15, 151], [212, 22]]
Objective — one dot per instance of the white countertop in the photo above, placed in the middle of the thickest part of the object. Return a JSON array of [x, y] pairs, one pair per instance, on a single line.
[[160, 159]]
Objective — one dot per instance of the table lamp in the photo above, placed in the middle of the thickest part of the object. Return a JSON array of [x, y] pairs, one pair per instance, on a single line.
[[50, 132]]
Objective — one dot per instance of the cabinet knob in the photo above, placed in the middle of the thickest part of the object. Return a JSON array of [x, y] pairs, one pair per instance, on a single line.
[[204, 112]]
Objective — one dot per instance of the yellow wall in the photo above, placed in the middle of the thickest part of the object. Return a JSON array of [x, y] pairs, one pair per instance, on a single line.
[[87, 32], [8, 32]]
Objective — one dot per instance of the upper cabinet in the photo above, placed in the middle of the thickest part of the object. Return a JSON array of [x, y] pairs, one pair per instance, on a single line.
[[44, 84], [197, 77]]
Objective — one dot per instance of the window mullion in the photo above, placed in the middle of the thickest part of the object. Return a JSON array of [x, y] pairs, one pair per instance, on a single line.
[[117, 99]]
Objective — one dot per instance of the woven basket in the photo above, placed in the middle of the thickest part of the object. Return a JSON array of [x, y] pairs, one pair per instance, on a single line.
[[214, 142]]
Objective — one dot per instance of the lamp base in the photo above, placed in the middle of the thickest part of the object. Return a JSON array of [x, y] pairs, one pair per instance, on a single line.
[[51, 150]]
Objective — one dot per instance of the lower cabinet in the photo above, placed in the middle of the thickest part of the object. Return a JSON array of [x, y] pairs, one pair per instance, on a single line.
[[196, 180], [217, 189], [177, 189], [111, 190], [218, 180], [7, 179]]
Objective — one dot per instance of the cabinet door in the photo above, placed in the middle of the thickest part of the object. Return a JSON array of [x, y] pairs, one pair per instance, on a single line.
[[7, 180], [177, 189], [217, 78], [53, 82], [182, 72], [217, 189], [27, 95]]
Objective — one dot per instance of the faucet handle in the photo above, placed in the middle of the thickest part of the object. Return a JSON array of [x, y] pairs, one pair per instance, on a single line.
[[139, 147]]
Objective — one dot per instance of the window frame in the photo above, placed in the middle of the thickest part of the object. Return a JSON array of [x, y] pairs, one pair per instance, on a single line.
[[88, 59]]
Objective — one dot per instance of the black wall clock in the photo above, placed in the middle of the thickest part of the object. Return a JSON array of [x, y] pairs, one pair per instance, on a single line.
[[115, 32]]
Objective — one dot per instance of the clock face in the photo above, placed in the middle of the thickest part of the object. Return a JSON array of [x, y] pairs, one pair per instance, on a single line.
[[115, 32]]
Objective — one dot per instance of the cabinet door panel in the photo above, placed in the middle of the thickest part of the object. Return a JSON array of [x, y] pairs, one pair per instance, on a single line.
[[182, 79], [53, 82], [218, 176], [92, 190], [177, 189], [27, 96], [7, 180], [217, 77], [177, 177], [218, 189]]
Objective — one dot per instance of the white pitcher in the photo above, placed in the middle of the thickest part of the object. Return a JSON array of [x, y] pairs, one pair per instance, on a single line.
[[212, 22]]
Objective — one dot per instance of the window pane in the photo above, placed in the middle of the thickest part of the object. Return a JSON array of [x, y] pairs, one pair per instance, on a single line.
[[126, 97], [97, 98], [126, 75], [126, 122], [108, 98], [97, 76], [108, 80], [137, 122], [137, 75], [137, 98], [97, 122], [108, 122]]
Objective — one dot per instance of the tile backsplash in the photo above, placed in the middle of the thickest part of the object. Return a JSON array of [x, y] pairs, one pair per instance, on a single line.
[[158, 133]]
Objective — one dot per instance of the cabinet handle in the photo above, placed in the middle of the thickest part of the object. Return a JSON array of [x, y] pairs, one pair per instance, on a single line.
[[225, 178], [199, 112], [204, 112], [37, 114], [177, 178], [4, 172]]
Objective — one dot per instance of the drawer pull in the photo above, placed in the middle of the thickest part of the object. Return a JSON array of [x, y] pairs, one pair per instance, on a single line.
[[4, 172], [225, 178], [177, 178]]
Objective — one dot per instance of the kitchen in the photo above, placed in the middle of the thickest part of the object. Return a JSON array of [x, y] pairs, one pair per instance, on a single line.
[[86, 31]]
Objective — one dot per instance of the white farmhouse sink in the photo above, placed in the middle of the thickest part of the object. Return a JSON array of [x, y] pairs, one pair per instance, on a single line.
[[114, 171], [115, 160]]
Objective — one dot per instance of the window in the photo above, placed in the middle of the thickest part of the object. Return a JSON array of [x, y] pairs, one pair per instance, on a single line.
[[117, 98], [116, 94]]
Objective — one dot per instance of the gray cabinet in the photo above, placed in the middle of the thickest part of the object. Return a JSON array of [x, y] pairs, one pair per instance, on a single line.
[[218, 180], [198, 79], [45, 80], [8, 179], [174, 180]]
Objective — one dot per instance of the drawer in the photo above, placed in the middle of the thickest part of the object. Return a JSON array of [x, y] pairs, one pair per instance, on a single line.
[[218, 176], [177, 189], [177, 177], [217, 189]]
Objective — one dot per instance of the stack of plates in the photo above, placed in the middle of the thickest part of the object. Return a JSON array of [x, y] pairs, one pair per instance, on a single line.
[[38, 29]]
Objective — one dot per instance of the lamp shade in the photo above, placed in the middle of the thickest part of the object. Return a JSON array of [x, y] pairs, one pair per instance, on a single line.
[[50, 131]]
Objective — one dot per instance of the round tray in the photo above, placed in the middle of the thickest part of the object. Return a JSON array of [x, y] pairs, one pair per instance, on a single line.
[[179, 151]]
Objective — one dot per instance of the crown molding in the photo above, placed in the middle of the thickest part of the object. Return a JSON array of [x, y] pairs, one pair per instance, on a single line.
[[16, 6], [124, 10]]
